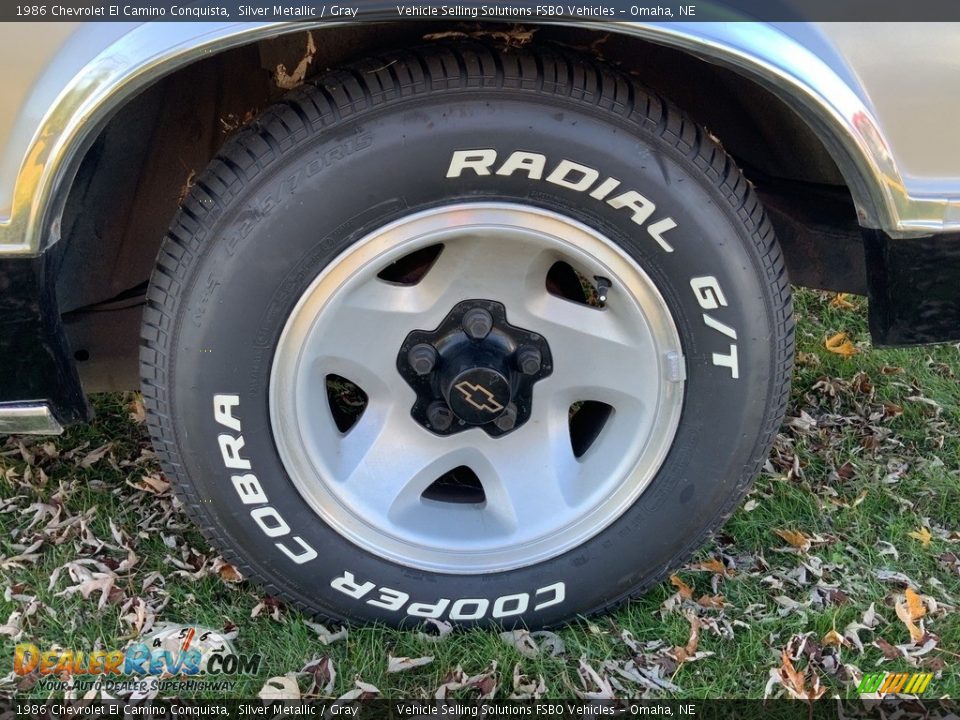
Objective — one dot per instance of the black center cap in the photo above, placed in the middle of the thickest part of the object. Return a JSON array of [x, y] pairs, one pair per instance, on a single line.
[[474, 370], [478, 395]]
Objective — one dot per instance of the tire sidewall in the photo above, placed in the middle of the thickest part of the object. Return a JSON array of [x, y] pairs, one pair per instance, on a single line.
[[267, 239]]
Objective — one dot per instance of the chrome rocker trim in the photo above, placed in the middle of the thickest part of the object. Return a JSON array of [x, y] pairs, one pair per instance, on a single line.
[[28, 419]]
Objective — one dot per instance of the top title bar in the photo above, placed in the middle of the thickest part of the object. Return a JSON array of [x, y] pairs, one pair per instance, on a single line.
[[514, 12]]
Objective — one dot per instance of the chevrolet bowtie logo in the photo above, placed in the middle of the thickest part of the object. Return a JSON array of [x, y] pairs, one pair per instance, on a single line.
[[478, 396]]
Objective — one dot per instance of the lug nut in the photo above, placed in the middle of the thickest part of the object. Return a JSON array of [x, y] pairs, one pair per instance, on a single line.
[[422, 358], [529, 360], [477, 323], [508, 419], [439, 415]]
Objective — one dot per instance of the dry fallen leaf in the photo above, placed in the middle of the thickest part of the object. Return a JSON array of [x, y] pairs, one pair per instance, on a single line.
[[833, 638], [526, 642], [840, 301], [689, 650], [325, 635], [522, 642], [441, 630], [526, 688], [840, 344], [915, 604], [795, 681], [288, 81], [714, 565], [686, 592], [890, 652], [323, 674], [595, 685], [280, 688], [138, 414], [94, 456], [795, 538], [792, 679], [227, 572], [361, 691], [910, 612], [711, 601], [922, 535], [399, 664]]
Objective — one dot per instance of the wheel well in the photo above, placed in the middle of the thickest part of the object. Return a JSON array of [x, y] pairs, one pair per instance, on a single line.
[[143, 161]]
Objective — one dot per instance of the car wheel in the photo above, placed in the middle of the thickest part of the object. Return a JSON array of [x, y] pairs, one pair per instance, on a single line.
[[492, 337]]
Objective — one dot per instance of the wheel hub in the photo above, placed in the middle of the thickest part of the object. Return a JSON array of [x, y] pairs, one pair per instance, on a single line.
[[474, 370]]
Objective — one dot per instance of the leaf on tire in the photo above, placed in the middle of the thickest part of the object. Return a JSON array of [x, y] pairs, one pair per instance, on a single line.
[[840, 344], [288, 81], [400, 664]]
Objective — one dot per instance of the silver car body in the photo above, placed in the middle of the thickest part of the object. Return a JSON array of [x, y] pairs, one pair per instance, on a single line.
[[885, 121]]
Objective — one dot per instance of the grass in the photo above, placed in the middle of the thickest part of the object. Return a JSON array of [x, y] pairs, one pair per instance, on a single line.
[[866, 465]]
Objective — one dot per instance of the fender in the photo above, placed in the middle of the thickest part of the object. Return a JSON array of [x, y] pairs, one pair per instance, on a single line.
[[73, 101]]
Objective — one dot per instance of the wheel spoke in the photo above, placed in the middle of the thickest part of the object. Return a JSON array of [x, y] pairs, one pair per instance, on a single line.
[[530, 476], [386, 462], [361, 344], [596, 355], [484, 264]]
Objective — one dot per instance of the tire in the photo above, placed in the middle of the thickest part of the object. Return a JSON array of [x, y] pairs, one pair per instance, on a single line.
[[263, 304]]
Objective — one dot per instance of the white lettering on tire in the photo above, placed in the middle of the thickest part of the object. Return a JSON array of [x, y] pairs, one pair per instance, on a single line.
[[581, 178], [478, 608], [520, 603], [460, 609], [567, 174], [248, 487], [710, 297]]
